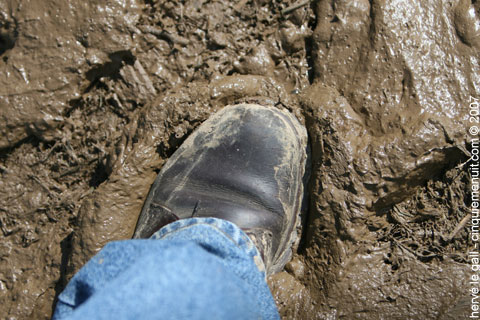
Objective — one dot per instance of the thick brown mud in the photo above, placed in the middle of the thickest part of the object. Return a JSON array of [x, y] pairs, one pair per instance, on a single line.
[[95, 96]]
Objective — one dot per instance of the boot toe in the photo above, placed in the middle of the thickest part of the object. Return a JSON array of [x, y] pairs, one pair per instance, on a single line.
[[244, 164]]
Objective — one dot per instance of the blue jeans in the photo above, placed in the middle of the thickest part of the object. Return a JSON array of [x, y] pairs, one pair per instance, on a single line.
[[199, 268]]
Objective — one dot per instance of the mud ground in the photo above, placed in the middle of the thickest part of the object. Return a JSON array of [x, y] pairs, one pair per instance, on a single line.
[[96, 95]]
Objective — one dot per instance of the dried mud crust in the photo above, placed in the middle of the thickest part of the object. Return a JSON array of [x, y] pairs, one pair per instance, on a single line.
[[96, 96]]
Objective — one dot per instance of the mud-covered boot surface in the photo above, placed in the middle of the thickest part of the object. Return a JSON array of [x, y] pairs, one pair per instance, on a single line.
[[245, 164], [96, 96]]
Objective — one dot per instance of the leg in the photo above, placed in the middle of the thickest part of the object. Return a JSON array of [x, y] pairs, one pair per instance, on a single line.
[[200, 268]]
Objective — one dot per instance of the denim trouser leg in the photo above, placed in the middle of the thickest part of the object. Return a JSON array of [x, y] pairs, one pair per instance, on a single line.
[[199, 268]]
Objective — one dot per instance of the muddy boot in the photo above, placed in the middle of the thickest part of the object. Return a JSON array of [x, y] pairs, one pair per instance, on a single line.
[[245, 164]]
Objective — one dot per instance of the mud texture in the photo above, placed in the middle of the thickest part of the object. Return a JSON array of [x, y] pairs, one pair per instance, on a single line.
[[95, 96]]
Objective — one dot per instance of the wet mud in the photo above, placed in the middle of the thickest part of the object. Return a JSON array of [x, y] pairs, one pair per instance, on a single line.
[[96, 96]]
